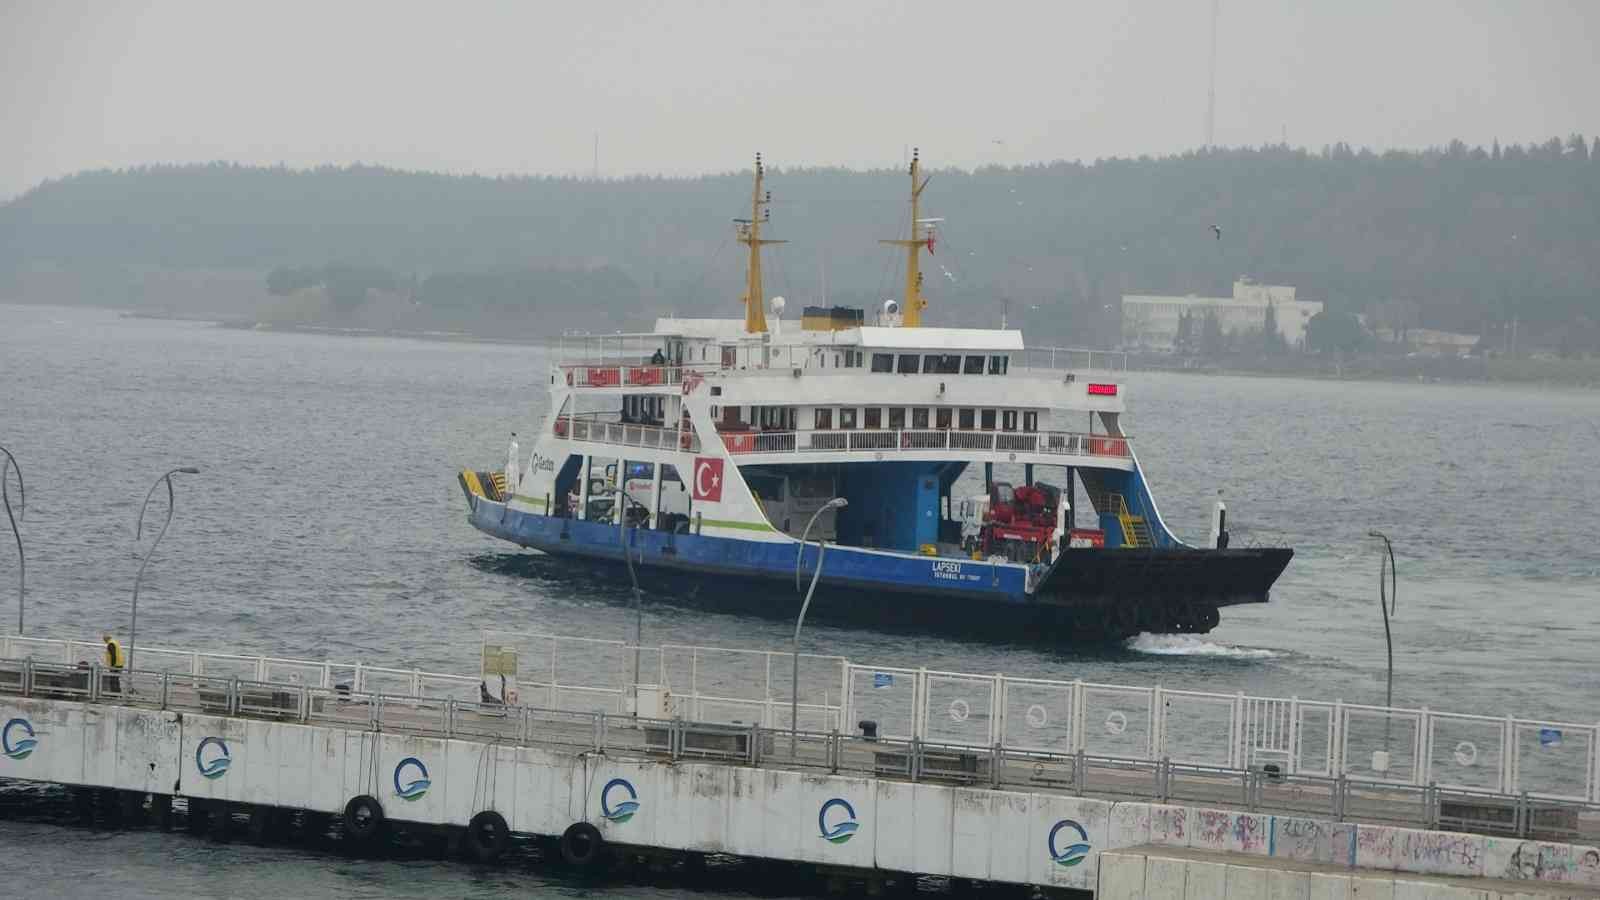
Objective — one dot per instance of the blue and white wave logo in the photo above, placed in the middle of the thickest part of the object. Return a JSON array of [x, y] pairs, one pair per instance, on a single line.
[[1072, 854], [843, 829], [18, 747], [623, 811], [416, 787], [217, 765]]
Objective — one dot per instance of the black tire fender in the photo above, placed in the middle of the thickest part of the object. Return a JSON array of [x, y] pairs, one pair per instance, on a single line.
[[487, 836], [363, 817], [582, 845], [1209, 619]]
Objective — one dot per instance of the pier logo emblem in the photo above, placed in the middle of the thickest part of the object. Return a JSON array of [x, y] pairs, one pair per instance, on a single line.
[[843, 829], [18, 747], [1072, 854], [218, 766], [623, 811], [415, 788]]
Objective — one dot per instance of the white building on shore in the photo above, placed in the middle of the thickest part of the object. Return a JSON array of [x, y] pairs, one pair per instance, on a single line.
[[1151, 322]]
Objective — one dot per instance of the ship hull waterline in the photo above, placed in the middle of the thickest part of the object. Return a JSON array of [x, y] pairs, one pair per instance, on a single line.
[[1090, 595]]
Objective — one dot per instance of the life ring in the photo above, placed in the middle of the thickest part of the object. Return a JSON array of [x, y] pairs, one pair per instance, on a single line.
[[487, 836], [363, 818], [581, 845]]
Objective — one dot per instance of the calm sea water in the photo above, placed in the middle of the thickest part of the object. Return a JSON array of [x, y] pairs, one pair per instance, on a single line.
[[327, 523]]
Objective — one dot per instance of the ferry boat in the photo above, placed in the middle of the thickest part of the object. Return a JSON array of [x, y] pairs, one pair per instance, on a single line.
[[726, 451]]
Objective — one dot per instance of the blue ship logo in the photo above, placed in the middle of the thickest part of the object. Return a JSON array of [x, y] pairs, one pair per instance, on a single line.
[[845, 828], [1072, 854], [414, 789], [218, 766], [22, 748], [623, 811]]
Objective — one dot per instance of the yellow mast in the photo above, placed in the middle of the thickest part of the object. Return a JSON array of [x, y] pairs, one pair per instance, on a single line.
[[911, 309], [749, 234]]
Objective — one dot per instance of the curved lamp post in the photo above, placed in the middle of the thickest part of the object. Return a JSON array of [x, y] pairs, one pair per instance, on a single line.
[[822, 548], [623, 499], [133, 624], [1388, 599], [22, 512]]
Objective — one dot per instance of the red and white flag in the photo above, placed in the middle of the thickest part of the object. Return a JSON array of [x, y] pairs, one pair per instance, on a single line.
[[707, 479]]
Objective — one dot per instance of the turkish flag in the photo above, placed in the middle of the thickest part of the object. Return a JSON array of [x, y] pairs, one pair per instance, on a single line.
[[707, 479]]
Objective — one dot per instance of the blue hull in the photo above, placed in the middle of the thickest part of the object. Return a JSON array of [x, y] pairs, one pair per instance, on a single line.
[[702, 555]]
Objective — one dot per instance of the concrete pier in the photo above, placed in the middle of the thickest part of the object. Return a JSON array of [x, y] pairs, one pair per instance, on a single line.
[[1166, 873], [596, 785]]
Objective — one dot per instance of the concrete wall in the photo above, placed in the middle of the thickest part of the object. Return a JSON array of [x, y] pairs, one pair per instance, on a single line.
[[1126, 875], [1006, 836]]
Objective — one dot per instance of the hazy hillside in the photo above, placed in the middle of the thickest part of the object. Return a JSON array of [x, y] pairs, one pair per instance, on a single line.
[[1456, 238]]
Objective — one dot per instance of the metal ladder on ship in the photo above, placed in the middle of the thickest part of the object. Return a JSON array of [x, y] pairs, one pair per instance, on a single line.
[[1135, 531]]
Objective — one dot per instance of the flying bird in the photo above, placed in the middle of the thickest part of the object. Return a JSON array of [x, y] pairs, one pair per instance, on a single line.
[[1218, 229]]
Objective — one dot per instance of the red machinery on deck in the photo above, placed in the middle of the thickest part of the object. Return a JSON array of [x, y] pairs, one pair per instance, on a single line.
[[1020, 522]]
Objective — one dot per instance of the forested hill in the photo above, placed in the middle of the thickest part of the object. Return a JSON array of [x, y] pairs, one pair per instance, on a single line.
[[1459, 238]]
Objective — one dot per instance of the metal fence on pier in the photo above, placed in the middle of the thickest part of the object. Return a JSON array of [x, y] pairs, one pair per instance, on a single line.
[[1060, 731]]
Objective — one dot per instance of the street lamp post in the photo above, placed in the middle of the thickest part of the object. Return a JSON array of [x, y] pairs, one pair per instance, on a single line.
[[624, 498], [1388, 600], [138, 532], [22, 512], [822, 548]]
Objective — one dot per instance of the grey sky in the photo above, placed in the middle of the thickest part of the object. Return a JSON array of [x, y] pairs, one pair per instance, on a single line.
[[689, 87]]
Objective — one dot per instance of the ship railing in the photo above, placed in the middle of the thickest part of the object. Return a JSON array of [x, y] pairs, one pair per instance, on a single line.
[[638, 369], [1058, 359], [1062, 443], [644, 374], [1366, 761], [627, 434]]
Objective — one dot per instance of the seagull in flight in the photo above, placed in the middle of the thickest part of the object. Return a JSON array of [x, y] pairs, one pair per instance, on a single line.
[[1218, 229]]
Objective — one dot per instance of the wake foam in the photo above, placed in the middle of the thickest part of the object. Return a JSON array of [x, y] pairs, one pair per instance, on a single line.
[[1189, 645]]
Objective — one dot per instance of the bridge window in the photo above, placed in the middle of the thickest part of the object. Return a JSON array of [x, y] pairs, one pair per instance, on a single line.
[[824, 418], [987, 420], [997, 364], [974, 366], [1030, 421], [897, 417], [919, 417], [873, 418], [942, 364], [883, 362], [967, 419], [847, 417], [909, 363], [941, 417], [1008, 420]]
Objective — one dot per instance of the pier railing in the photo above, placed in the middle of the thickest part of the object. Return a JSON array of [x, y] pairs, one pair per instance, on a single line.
[[1150, 741]]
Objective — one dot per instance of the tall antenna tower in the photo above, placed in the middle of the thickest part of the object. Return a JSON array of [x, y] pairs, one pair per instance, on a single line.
[[1211, 92]]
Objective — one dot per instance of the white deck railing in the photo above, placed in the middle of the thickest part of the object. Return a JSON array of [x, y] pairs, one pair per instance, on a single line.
[[1059, 443], [1407, 747]]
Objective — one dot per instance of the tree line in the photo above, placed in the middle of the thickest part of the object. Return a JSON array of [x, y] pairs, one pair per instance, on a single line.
[[1458, 238]]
